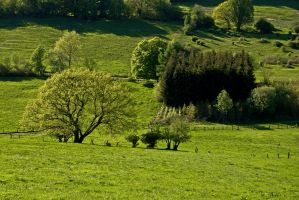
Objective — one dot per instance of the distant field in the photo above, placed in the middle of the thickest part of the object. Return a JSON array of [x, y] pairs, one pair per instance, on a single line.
[[109, 43], [229, 165]]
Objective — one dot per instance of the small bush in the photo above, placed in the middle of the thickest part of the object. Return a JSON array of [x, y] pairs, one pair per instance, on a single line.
[[149, 84], [194, 39], [278, 44], [294, 45], [296, 29], [151, 138], [133, 138], [264, 27]]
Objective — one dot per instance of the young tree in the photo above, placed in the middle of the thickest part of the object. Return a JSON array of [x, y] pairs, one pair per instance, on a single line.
[[36, 60], [65, 51], [145, 58], [179, 129], [224, 103], [77, 102], [241, 12], [222, 12]]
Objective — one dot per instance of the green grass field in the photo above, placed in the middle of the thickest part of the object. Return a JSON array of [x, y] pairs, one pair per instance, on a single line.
[[230, 164]]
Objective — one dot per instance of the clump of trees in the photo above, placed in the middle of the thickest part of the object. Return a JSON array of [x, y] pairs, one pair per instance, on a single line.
[[16, 65], [76, 102], [92, 9], [237, 12], [190, 75]]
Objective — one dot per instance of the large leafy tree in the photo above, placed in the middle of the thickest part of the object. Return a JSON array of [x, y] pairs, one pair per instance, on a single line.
[[75, 103], [145, 58]]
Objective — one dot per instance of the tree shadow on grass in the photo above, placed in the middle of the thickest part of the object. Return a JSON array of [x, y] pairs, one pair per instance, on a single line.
[[133, 28], [21, 78]]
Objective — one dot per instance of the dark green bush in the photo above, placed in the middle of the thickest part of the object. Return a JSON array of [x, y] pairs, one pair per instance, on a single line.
[[151, 138], [278, 44], [294, 44], [296, 29], [149, 84], [264, 27], [133, 138]]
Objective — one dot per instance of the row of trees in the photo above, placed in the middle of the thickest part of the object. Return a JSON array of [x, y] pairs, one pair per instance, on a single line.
[[237, 12], [63, 56], [91, 9]]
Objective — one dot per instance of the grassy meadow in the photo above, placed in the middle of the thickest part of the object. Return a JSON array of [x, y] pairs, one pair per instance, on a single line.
[[230, 164]]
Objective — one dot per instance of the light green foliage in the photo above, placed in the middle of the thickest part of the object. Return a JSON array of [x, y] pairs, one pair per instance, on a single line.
[[145, 58], [75, 103], [65, 51], [37, 59], [224, 103], [222, 13], [241, 11], [180, 132], [263, 99]]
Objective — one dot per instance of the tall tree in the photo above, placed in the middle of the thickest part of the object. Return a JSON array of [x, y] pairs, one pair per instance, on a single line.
[[222, 12], [241, 11], [75, 103], [36, 60], [66, 50]]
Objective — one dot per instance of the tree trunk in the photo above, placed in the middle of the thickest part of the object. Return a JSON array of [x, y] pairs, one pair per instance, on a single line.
[[168, 145], [77, 138]]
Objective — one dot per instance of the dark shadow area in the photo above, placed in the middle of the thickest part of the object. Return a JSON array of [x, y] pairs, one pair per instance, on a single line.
[[21, 78], [133, 28]]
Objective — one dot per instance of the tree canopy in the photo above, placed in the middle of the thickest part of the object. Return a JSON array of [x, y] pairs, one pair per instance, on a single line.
[[145, 58], [74, 103]]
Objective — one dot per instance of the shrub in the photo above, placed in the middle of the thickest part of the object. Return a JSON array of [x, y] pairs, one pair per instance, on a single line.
[[151, 138], [264, 27], [196, 19], [294, 44], [149, 84], [194, 39], [296, 29], [278, 44], [133, 138]]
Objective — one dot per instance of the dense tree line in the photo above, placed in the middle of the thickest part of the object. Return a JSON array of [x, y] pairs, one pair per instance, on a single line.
[[91, 9], [193, 76]]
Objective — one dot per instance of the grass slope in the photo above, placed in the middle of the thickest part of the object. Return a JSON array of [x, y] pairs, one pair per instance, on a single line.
[[229, 165]]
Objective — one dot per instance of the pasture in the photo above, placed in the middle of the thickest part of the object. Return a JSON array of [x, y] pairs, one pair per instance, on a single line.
[[230, 164]]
